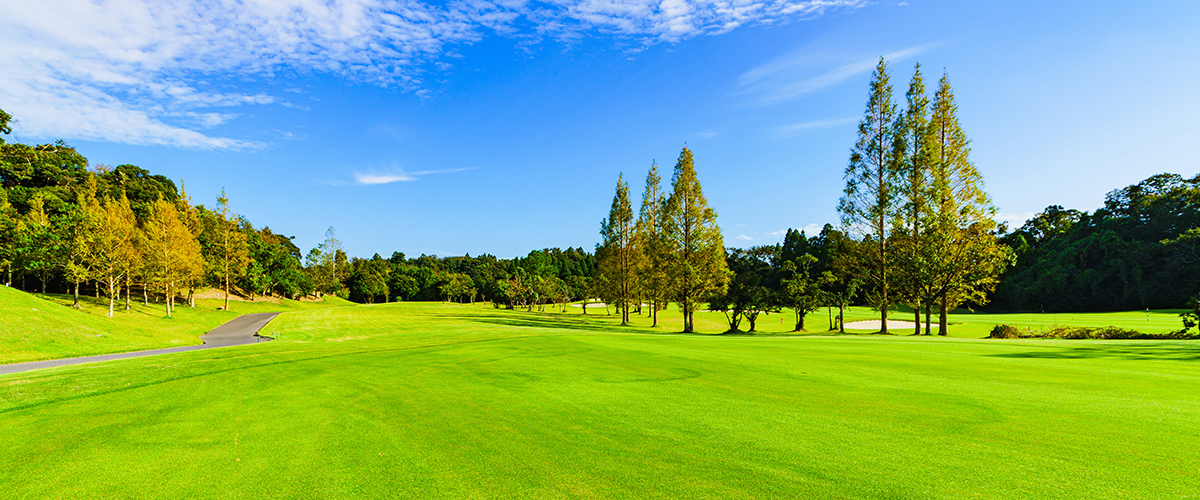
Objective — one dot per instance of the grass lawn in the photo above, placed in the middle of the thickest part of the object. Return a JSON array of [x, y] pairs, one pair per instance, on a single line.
[[37, 327], [450, 401]]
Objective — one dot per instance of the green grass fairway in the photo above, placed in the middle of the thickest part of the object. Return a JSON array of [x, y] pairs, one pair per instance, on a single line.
[[449, 401], [37, 327]]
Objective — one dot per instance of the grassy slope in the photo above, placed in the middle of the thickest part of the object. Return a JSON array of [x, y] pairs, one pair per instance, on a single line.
[[38, 327], [443, 401]]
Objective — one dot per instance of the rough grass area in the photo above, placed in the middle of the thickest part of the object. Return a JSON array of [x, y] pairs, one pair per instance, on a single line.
[[448, 401], [37, 327]]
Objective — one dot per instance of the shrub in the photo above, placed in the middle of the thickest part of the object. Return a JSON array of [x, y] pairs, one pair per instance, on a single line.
[[1113, 333], [1005, 332]]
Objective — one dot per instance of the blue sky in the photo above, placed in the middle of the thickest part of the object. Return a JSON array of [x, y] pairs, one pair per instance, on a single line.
[[500, 126]]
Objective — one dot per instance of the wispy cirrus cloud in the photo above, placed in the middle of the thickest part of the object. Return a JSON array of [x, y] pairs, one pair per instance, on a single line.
[[397, 175], [132, 71], [807, 70], [797, 128]]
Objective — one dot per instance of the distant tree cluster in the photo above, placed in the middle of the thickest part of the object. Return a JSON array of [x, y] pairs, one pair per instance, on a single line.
[[543, 277]]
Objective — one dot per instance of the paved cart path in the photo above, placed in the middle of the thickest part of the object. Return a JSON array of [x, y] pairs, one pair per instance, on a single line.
[[237, 331]]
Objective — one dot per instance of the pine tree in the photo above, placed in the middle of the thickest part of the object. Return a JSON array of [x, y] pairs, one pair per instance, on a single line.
[[867, 206], [696, 265], [652, 276], [619, 256], [912, 166], [968, 259], [233, 254]]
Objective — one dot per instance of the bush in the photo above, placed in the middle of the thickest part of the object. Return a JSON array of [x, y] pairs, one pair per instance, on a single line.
[[1079, 333], [1005, 332], [1113, 333]]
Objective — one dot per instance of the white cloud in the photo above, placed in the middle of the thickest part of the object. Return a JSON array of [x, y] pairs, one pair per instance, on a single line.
[[397, 175], [778, 234], [791, 76], [133, 71], [796, 128], [367, 179], [743, 237]]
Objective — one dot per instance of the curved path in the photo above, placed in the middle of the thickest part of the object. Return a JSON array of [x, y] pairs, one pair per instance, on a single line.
[[237, 331]]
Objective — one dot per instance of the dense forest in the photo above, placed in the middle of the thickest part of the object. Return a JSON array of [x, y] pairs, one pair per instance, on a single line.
[[1140, 250]]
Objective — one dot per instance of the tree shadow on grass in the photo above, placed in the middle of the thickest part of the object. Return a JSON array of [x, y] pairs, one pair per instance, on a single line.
[[1136, 352], [546, 322]]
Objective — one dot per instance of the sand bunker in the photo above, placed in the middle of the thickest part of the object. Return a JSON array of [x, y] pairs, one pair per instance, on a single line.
[[875, 324]]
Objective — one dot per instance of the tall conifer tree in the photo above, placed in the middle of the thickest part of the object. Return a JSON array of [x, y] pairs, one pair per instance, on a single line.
[[697, 251], [619, 250], [967, 258], [867, 206], [913, 164], [652, 275]]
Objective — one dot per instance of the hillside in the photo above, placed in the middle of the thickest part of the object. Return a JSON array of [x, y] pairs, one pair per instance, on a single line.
[[38, 327]]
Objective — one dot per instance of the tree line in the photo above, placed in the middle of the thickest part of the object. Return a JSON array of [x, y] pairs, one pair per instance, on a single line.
[[916, 229]]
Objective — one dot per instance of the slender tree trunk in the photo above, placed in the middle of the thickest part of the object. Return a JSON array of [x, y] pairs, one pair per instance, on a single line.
[[654, 312], [942, 317], [110, 298], [226, 288], [76, 304], [127, 290], [928, 331], [145, 295], [917, 312], [841, 318]]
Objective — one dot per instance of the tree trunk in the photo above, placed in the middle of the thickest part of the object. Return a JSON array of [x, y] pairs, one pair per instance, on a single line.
[[942, 317], [127, 290], [917, 312], [76, 304], [799, 321], [654, 312], [928, 330], [145, 295], [585, 301], [753, 319], [110, 298], [227, 291], [841, 318]]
